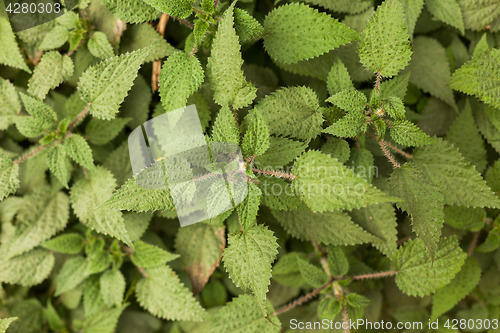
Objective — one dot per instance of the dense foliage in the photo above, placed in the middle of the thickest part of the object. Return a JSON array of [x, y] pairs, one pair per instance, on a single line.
[[370, 132]]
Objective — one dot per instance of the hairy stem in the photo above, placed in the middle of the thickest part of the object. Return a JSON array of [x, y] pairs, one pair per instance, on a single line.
[[374, 275], [392, 147], [275, 173], [80, 117], [303, 299], [473, 243], [377, 83], [389, 156], [29, 155], [185, 22]]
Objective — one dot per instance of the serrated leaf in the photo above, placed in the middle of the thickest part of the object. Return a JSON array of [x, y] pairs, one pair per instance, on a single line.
[[112, 285], [337, 148], [146, 255], [41, 216], [281, 151], [9, 103], [407, 133], [349, 126], [28, 269], [136, 224], [248, 209], [420, 274], [447, 11], [67, 243], [138, 36], [103, 321], [459, 182], [292, 112], [99, 46], [313, 276], [55, 38], [350, 100], [78, 149], [225, 129], [72, 273], [98, 259], [227, 80], [422, 200], [338, 78], [42, 117], [462, 284], [394, 108], [132, 197], [319, 174], [479, 77], [58, 164], [362, 163], [430, 70], [386, 27], [131, 11], [9, 176], [464, 218], [247, 27], [10, 54], [308, 35], [100, 131], [5, 323], [479, 14], [337, 261], [180, 77], [118, 72], [334, 228], [244, 315], [329, 308], [162, 284], [395, 87], [256, 139], [286, 271], [177, 8], [87, 195], [248, 259], [278, 193], [92, 296], [412, 10], [343, 6], [50, 72]]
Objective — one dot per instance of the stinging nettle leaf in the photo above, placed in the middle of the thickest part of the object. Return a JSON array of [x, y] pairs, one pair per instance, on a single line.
[[9, 176], [447, 11], [338, 78], [106, 84], [99, 46], [308, 35], [52, 70], [70, 243], [131, 11], [28, 269], [146, 255], [43, 117], [406, 133], [350, 100], [9, 103], [479, 14], [58, 164], [9, 50], [256, 140], [78, 149], [112, 285], [177, 8], [384, 45]]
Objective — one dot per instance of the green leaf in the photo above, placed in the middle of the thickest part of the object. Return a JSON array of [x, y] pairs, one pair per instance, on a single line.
[[137, 224], [380, 221], [412, 10], [131, 11], [5, 323], [131, 197], [78, 149], [394, 108], [98, 259], [138, 36], [200, 246], [9, 176], [464, 218], [459, 182], [281, 151], [103, 321], [430, 70], [314, 276], [227, 80], [256, 140], [349, 100], [479, 77], [28, 269], [338, 78], [58, 164], [349, 126], [419, 274], [99, 46], [9, 103], [92, 296], [422, 200], [43, 117], [329, 308], [357, 300], [55, 38], [180, 77], [462, 284], [286, 271], [41, 217], [324, 183], [309, 34], [67, 243], [112, 285], [106, 84], [163, 284], [248, 259], [478, 15], [278, 193], [101, 131], [10, 54], [447, 11], [407, 133], [244, 314], [247, 27], [146, 255], [50, 72], [362, 163], [337, 148], [337, 261], [87, 195], [395, 87], [225, 129], [292, 112], [343, 6], [177, 8], [384, 46], [334, 228], [248, 209]]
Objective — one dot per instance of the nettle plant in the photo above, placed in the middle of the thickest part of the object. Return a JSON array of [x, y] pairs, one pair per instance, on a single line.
[[372, 185]]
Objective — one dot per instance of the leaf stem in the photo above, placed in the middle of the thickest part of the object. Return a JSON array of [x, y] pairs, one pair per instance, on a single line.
[[29, 155], [80, 117], [275, 173], [184, 22], [387, 154], [377, 83], [374, 275], [392, 147], [473, 243]]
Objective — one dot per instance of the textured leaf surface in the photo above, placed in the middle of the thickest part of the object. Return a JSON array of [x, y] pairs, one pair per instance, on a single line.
[[9, 103], [146, 255], [479, 13], [412, 10], [462, 284], [69, 243], [314, 276], [9, 176], [181, 75], [326, 184], [42, 117], [406, 133], [112, 287], [72, 273], [5, 323], [459, 182], [447, 11], [334, 228], [106, 84], [349, 126], [386, 27], [225, 129], [9, 54], [28, 269], [99, 46], [480, 77], [419, 274], [338, 78], [78, 149], [87, 195], [292, 112], [161, 285], [228, 82], [281, 151], [248, 259], [177, 8], [256, 139], [350, 100], [139, 36], [131, 11], [308, 35], [343, 6], [52, 70], [58, 164]]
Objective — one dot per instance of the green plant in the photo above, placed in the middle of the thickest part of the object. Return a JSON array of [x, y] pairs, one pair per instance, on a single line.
[[367, 164]]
